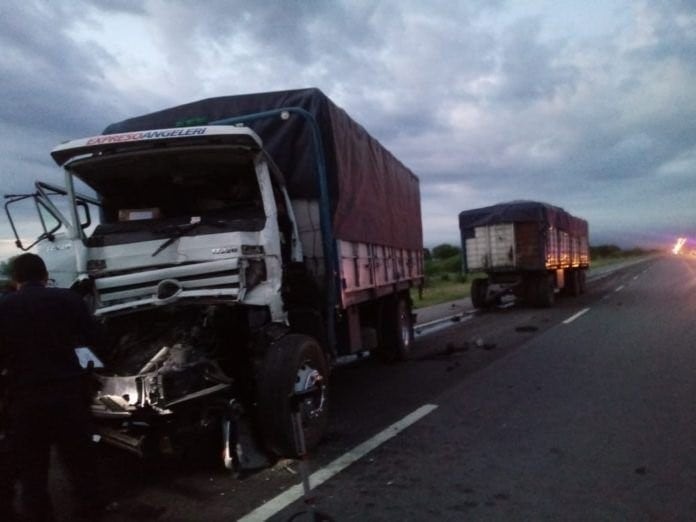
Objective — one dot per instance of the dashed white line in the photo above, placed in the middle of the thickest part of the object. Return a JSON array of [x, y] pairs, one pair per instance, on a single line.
[[619, 288], [635, 277], [320, 476], [575, 316]]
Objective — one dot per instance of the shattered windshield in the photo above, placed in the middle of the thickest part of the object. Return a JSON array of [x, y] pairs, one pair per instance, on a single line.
[[146, 193]]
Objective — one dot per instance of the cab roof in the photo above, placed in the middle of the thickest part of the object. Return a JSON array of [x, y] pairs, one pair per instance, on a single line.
[[146, 139]]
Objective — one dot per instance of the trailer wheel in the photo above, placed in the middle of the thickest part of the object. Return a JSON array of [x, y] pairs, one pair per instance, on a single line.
[[544, 292], [294, 363], [479, 291], [572, 282], [582, 281], [397, 333]]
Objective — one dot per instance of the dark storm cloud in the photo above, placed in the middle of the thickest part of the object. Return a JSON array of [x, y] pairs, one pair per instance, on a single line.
[[48, 81], [674, 30], [120, 6], [481, 99], [528, 68], [52, 89]]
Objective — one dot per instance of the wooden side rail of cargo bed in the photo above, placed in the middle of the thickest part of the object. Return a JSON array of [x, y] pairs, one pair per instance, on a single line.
[[369, 270]]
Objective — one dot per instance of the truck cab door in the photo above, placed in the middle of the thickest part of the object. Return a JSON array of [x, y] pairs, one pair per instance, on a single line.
[[40, 218], [42, 215]]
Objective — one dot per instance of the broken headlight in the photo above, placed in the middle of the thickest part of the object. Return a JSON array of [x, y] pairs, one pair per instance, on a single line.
[[254, 272]]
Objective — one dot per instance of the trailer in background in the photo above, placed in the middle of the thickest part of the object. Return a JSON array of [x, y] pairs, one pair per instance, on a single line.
[[526, 248]]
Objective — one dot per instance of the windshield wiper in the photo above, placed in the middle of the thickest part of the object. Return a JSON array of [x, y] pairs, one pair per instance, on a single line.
[[181, 230]]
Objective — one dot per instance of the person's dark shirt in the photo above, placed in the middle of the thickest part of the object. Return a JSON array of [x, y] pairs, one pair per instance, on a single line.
[[39, 330]]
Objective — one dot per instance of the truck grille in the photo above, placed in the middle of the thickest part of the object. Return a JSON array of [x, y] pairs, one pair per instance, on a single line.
[[212, 279]]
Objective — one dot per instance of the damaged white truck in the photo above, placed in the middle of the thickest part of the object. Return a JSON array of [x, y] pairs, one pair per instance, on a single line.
[[242, 245]]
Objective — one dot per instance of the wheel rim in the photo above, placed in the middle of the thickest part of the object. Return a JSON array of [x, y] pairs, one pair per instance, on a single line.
[[405, 329], [306, 378]]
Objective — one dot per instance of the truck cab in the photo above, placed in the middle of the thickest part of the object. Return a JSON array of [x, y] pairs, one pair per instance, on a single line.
[[184, 215]]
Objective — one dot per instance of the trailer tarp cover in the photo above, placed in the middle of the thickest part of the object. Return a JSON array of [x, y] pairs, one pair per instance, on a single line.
[[521, 212], [374, 197]]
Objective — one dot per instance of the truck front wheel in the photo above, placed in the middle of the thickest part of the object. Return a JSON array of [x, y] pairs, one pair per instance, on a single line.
[[293, 364]]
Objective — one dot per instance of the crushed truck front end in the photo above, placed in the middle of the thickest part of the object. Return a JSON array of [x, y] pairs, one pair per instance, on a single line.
[[184, 270]]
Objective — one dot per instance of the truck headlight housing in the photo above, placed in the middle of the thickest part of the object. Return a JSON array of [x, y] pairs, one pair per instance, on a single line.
[[254, 273], [252, 250]]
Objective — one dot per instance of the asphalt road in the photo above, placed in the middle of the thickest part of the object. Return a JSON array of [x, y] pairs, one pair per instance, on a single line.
[[535, 419], [590, 420]]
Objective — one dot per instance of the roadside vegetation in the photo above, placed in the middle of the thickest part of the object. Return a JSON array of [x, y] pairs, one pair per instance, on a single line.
[[444, 280]]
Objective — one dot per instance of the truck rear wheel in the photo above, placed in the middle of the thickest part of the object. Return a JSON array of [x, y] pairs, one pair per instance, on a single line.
[[397, 333], [479, 291], [293, 364], [582, 281], [572, 282], [544, 297]]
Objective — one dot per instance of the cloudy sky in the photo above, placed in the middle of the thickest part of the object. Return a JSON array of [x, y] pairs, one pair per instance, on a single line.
[[588, 105]]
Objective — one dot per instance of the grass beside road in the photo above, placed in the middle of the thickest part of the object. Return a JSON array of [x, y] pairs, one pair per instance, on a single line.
[[606, 261], [438, 290]]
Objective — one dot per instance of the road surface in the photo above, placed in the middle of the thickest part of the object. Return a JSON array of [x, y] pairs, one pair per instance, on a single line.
[[592, 420], [580, 412]]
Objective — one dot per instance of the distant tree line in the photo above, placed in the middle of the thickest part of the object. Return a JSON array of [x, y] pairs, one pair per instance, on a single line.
[[5, 268], [5, 276], [616, 251], [443, 259]]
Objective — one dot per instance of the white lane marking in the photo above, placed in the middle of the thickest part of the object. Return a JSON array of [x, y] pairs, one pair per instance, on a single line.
[[574, 317], [618, 289], [606, 296], [273, 506], [635, 277]]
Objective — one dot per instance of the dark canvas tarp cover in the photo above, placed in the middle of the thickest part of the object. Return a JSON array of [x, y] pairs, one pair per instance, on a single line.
[[521, 212], [374, 197]]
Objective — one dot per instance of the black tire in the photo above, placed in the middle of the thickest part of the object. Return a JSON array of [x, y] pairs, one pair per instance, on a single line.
[[479, 290], [545, 296], [582, 280], [291, 364], [397, 330], [572, 282]]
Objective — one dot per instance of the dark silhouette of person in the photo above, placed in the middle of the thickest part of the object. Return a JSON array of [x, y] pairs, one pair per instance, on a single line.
[[7, 472], [47, 389]]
